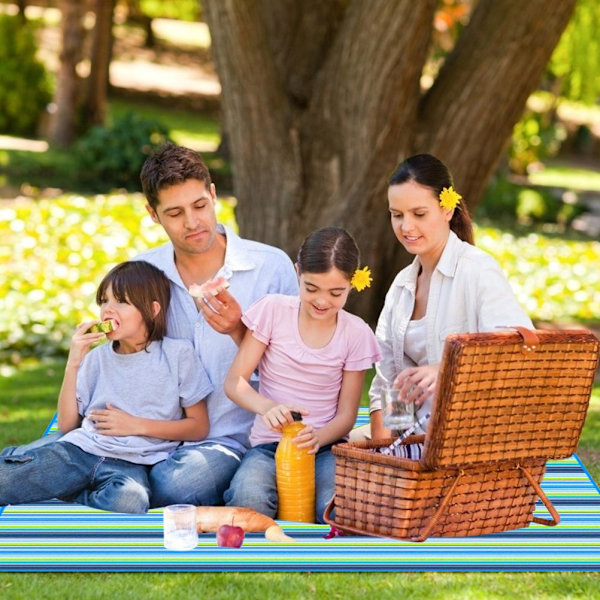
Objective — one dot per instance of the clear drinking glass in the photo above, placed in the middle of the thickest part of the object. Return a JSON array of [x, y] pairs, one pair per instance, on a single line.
[[179, 527], [396, 414]]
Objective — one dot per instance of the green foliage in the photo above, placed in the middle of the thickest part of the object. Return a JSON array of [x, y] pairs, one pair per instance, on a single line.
[[54, 254], [554, 279], [575, 63], [504, 202], [25, 87], [537, 136], [184, 10], [111, 157]]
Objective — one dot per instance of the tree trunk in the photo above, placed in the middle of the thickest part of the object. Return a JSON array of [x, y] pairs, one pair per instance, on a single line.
[[468, 115], [94, 104], [322, 100], [63, 123]]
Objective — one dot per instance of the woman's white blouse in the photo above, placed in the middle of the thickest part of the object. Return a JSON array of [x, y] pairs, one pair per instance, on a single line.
[[468, 293]]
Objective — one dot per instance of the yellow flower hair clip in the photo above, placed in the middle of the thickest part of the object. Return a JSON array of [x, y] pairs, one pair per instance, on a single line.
[[449, 198], [361, 279]]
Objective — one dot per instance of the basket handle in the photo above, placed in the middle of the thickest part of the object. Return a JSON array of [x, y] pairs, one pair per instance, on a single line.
[[345, 528], [426, 532], [530, 338], [555, 520]]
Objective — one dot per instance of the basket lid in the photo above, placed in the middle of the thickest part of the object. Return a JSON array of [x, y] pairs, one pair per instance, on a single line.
[[510, 395]]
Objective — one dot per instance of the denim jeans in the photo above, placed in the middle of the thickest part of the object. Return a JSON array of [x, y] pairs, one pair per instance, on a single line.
[[196, 474], [63, 470], [24, 448], [255, 486]]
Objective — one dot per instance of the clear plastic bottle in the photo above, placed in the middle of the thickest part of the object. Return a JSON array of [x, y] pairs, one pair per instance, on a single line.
[[295, 469]]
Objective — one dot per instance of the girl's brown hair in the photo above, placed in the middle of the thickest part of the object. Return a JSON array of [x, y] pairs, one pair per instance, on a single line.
[[140, 284]]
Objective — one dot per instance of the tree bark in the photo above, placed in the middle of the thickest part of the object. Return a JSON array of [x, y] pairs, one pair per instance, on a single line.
[[94, 103], [467, 116], [63, 123], [322, 100]]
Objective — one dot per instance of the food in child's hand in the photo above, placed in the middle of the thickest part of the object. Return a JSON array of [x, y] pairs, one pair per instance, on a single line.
[[210, 288], [102, 327], [210, 518], [230, 536]]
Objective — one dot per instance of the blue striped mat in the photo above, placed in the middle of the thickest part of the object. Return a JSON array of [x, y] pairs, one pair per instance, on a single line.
[[57, 536]]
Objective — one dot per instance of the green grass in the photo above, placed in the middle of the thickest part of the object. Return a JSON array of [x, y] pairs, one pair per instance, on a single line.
[[27, 402], [559, 174], [187, 128]]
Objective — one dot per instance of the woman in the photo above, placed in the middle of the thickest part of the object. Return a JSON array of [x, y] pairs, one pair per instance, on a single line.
[[450, 287]]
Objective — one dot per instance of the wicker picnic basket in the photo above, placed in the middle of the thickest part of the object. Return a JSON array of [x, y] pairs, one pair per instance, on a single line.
[[506, 402]]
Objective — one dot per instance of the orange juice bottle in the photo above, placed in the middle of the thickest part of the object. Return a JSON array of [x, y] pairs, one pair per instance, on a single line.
[[295, 469]]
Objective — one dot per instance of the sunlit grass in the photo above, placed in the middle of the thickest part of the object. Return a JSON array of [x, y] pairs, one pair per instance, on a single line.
[[565, 175], [193, 130], [554, 279]]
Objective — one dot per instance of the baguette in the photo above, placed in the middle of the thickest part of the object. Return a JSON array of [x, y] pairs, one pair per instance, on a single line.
[[210, 518]]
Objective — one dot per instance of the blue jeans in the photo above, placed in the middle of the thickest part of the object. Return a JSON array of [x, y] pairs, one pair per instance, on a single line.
[[255, 486], [196, 474], [24, 448], [63, 470]]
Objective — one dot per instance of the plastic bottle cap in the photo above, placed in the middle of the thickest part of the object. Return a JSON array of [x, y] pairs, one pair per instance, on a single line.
[[296, 416]]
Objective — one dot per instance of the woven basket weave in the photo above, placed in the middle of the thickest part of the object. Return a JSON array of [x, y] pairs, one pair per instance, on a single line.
[[505, 403]]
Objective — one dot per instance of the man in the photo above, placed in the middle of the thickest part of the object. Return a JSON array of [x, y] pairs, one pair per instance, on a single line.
[[181, 198]]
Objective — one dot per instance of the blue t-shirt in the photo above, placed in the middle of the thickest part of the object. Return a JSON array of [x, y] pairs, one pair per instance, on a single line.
[[155, 383]]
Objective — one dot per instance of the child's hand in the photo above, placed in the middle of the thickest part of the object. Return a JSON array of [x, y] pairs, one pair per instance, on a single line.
[[279, 415], [114, 421], [416, 384], [81, 343], [308, 438]]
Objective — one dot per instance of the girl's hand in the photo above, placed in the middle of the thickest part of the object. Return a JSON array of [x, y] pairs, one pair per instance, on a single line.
[[114, 421], [416, 384], [280, 415], [81, 342], [308, 438]]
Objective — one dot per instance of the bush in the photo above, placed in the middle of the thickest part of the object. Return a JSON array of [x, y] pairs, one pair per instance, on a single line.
[[535, 137], [111, 157], [25, 88]]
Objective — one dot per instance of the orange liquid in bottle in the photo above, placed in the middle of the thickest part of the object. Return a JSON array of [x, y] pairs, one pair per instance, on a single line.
[[295, 469]]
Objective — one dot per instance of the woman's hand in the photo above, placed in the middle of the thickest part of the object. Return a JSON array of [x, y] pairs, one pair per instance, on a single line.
[[280, 415], [308, 438], [114, 421], [416, 384]]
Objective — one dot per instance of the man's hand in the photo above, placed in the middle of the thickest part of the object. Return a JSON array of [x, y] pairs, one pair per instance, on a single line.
[[224, 314]]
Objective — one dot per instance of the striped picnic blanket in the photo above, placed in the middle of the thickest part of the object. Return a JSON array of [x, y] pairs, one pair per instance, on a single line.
[[58, 536]]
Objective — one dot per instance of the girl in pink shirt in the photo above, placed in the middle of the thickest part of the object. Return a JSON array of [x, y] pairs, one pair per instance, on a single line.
[[312, 357]]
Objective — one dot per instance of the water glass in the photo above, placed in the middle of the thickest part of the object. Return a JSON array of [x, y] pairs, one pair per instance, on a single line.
[[396, 414], [179, 527]]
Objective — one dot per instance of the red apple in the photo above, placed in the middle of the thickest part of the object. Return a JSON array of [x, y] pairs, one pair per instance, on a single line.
[[230, 536]]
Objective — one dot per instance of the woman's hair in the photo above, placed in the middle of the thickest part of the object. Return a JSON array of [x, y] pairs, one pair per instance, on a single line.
[[329, 247], [139, 283], [171, 165], [429, 171]]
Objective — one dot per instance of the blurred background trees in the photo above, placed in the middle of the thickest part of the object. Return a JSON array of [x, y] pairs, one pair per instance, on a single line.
[[320, 100]]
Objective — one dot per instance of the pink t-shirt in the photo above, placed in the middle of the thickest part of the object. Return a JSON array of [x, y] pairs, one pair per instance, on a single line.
[[293, 373]]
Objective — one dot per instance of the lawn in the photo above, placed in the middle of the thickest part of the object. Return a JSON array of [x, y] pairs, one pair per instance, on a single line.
[[27, 402]]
